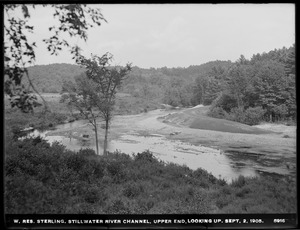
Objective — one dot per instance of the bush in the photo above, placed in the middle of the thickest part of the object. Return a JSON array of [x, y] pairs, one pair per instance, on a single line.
[[236, 114], [76, 162], [226, 190], [117, 207], [145, 156], [243, 191], [146, 204], [16, 132], [87, 152], [203, 175], [254, 115], [217, 112], [239, 182], [200, 203], [281, 111], [225, 101], [132, 190], [92, 194], [223, 201], [221, 182], [92, 170], [250, 116], [117, 171]]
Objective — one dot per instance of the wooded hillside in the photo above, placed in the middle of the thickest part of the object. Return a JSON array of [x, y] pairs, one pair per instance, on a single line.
[[246, 90]]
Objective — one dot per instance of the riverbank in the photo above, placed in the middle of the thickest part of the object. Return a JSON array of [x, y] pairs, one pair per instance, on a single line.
[[270, 151], [54, 180]]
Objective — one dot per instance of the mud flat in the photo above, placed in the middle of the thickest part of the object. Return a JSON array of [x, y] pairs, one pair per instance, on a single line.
[[269, 148], [222, 151]]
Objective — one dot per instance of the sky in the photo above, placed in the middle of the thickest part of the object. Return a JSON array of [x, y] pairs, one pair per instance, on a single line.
[[176, 35]]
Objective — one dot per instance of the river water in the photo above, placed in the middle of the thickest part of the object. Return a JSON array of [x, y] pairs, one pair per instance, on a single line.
[[194, 156]]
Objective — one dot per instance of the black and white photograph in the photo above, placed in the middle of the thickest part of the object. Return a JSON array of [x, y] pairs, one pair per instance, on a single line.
[[149, 109]]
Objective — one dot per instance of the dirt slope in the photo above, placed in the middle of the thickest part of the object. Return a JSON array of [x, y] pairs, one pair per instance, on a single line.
[[196, 118]]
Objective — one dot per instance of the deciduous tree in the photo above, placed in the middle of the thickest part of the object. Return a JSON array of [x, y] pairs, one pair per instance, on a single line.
[[74, 20], [93, 93]]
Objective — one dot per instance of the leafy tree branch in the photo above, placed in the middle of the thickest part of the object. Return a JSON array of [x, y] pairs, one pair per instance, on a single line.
[[74, 21]]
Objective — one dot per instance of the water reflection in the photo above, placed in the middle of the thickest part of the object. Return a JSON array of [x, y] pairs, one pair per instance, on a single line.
[[182, 153], [73, 144]]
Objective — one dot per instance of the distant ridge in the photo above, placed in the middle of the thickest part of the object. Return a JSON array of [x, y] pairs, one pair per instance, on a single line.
[[49, 78]]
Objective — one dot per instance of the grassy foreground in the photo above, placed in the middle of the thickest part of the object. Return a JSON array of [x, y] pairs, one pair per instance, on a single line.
[[45, 179]]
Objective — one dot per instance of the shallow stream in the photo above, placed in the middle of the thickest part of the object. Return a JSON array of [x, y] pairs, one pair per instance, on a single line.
[[194, 156]]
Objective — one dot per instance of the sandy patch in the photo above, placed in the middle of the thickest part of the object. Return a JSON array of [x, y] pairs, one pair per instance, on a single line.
[[280, 128]]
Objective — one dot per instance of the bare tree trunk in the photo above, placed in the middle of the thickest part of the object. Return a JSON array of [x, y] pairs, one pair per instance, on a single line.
[[105, 137], [96, 135], [270, 117]]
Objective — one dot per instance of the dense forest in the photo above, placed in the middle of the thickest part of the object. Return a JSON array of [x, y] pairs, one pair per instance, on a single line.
[[262, 88], [247, 91]]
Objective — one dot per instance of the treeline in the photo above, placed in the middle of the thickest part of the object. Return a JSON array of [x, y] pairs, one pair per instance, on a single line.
[[153, 84], [173, 86], [247, 91], [262, 88]]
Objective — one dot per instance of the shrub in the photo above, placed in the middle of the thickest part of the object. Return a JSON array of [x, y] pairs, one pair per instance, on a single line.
[[236, 114], [226, 190], [76, 162], [200, 202], [132, 190], [87, 152], [250, 116], [25, 195], [146, 204], [117, 207], [281, 111], [145, 156], [79, 188], [175, 172], [223, 201], [221, 182], [92, 194], [239, 182], [98, 168], [91, 170], [217, 112], [203, 175], [16, 132], [116, 169], [243, 191], [224, 101], [254, 115]]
